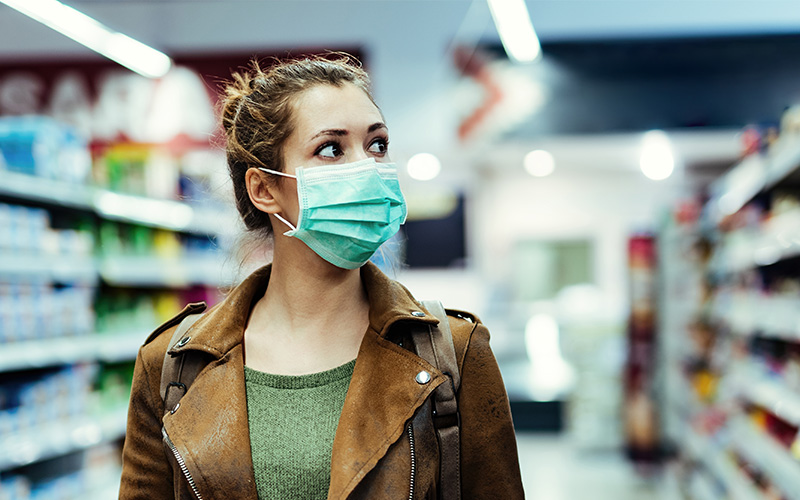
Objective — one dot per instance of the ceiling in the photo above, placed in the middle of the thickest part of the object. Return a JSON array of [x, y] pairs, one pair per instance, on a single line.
[[408, 44]]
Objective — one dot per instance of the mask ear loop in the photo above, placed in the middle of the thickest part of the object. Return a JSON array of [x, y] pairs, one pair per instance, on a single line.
[[270, 171]]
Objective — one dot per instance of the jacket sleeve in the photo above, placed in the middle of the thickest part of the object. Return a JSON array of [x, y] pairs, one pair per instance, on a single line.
[[146, 473], [489, 462]]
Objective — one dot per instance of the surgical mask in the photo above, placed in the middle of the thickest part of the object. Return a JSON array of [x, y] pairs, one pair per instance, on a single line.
[[347, 211]]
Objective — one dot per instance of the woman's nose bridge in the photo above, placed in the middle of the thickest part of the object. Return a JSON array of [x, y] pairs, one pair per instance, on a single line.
[[356, 153]]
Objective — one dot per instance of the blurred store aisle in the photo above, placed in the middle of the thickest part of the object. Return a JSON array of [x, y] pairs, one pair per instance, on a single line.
[[554, 469]]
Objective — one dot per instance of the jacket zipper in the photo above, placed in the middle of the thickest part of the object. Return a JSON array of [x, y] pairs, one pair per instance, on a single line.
[[413, 463], [181, 463]]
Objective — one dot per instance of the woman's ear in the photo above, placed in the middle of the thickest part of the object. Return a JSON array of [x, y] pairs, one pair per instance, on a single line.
[[261, 191]]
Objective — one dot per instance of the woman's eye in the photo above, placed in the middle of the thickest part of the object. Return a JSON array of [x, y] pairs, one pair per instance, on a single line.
[[330, 150], [379, 146]]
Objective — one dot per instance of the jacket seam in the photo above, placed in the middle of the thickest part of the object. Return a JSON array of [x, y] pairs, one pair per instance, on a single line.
[[466, 348], [150, 389]]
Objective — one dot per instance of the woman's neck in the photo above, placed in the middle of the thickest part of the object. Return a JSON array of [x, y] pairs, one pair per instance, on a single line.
[[309, 293], [311, 318]]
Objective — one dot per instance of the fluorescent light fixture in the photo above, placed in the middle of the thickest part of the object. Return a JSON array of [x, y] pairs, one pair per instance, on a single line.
[[657, 160], [123, 49], [539, 163], [516, 30], [424, 167]]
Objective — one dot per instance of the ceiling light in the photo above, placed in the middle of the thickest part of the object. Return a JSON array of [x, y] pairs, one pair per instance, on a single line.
[[657, 160], [515, 29], [424, 166], [123, 49], [539, 163]]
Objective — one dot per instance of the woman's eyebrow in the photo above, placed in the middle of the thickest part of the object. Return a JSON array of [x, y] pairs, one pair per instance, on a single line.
[[332, 131], [339, 132]]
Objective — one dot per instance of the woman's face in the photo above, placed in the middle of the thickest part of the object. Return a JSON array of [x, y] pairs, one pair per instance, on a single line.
[[335, 125]]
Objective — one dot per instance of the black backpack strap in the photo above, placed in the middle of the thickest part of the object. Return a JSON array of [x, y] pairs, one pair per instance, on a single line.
[[178, 372], [435, 345]]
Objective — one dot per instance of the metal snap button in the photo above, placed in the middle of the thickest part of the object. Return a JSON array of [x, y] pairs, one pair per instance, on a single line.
[[172, 411], [418, 314], [182, 342], [423, 377]]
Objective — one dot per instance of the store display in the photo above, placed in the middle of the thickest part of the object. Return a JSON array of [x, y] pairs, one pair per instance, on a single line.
[[98, 244], [731, 293], [641, 424]]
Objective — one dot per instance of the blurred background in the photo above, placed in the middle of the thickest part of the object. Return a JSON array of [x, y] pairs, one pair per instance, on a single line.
[[611, 185]]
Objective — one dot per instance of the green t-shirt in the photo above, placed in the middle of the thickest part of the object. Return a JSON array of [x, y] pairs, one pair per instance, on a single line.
[[292, 423]]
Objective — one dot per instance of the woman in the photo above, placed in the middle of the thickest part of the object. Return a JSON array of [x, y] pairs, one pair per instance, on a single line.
[[308, 385]]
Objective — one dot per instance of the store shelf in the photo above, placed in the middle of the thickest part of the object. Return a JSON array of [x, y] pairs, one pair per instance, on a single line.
[[145, 271], [702, 487], [134, 271], [61, 438], [770, 394], [746, 249], [42, 353], [751, 176], [736, 483], [46, 191], [165, 214], [53, 268], [746, 313], [768, 456]]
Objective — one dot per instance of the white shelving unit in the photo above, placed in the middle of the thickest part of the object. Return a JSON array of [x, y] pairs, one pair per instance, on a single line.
[[165, 214], [48, 267], [745, 249], [769, 456], [57, 439], [751, 176], [191, 267], [774, 314], [737, 484], [747, 312], [129, 271], [178, 271], [42, 353], [769, 393]]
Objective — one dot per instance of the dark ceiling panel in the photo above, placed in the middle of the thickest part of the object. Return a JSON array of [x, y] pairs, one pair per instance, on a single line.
[[616, 86]]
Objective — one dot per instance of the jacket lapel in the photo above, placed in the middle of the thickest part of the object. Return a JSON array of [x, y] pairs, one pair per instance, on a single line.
[[383, 395], [211, 432], [210, 428]]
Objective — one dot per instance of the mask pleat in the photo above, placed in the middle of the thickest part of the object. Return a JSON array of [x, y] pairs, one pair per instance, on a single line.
[[349, 210]]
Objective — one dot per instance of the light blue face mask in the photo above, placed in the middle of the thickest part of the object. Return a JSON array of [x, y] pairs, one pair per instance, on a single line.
[[347, 211]]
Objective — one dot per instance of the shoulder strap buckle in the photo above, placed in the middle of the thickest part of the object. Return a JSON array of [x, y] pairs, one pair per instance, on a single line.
[[172, 367]]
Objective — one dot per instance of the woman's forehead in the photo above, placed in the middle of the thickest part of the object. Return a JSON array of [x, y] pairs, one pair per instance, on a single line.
[[337, 107]]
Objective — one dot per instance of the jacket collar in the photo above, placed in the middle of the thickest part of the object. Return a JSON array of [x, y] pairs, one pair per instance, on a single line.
[[222, 328], [210, 428]]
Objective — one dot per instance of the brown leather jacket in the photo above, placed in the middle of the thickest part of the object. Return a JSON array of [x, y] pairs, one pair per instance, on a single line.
[[372, 454]]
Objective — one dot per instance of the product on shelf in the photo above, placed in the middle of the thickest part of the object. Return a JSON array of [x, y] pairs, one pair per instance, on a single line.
[[42, 398], [739, 357], [92, 258], [41, 311], [41, 146], [27, 231], [95, 476]]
